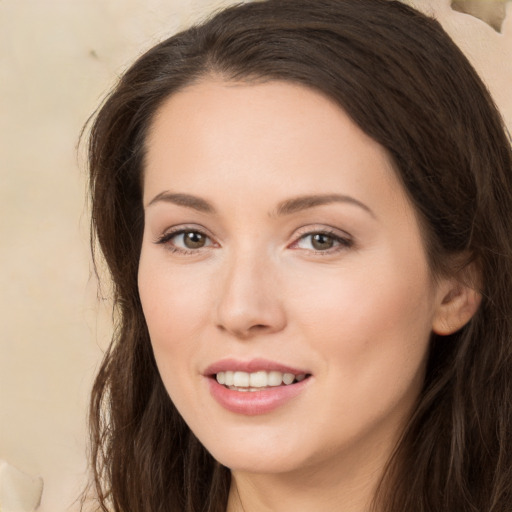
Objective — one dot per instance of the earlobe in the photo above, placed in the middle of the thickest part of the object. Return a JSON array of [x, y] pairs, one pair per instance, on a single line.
[[457, 306]]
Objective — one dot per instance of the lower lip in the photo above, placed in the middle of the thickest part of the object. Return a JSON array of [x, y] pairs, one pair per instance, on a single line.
[[252, 403]]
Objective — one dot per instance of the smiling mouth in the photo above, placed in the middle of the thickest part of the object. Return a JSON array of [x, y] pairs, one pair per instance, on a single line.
[[257, 381]]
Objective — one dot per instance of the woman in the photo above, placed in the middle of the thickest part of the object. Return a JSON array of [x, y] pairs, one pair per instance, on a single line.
[[304, 207]]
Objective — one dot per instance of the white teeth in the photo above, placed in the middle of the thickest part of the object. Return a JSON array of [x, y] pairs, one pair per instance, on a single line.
[[288, 378], [274, 378], [258, 379], [241, 380], [244, 381]]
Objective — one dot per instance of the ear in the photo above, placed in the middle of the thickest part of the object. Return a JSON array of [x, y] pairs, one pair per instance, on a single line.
[[458, 301]]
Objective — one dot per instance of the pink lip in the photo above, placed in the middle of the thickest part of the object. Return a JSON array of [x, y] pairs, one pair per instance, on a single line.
[[252, 403], [254, 365]]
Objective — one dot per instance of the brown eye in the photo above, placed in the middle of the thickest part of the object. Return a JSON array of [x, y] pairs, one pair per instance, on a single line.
[[322, 242], [185, 240], [194, 240]]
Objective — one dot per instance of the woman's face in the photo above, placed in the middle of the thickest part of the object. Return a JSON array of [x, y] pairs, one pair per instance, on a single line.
[[279, 247]]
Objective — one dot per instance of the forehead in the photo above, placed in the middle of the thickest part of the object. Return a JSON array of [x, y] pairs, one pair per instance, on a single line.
[[276, 126]]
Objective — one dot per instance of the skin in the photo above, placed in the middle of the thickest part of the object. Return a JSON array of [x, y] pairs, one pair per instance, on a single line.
[[358, 315]]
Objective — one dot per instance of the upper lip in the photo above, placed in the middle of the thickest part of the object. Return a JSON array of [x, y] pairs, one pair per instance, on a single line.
[[251, 366]]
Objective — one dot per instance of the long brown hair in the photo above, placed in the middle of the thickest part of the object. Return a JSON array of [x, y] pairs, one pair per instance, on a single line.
[[406, 84]]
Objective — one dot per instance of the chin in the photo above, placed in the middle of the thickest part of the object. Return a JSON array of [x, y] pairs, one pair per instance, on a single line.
[[257, 454], [259, 461]]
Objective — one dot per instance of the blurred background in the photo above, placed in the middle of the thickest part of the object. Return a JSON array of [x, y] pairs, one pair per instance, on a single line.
[[58, 58]]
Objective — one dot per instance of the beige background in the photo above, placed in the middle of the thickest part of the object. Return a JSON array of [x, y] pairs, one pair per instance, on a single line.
[[57, 60]]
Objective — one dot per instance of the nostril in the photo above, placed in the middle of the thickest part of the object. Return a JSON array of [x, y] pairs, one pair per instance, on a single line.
[[259, 327], [493, 12]]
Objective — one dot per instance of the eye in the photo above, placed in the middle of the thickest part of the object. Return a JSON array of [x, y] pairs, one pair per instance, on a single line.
[[322, 241], [185, 240], [319, 241]]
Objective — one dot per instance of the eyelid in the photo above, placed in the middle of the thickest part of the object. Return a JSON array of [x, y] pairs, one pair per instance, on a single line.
[[344, 239], [169, 233]]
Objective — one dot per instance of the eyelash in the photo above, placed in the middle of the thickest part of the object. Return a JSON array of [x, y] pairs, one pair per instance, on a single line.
[[342, 242], [166, 238]]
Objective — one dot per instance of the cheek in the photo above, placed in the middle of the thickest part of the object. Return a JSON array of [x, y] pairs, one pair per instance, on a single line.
[[372, 340], [176, 309], [173, 299], [174, 314], [372, 323], [378, 295]]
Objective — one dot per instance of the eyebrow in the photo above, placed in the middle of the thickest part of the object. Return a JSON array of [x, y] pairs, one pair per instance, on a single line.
[[300, 203], [287, 207], [186, 200]]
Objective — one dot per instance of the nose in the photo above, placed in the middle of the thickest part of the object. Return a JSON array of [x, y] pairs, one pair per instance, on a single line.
[[250, 298]]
